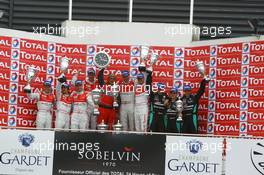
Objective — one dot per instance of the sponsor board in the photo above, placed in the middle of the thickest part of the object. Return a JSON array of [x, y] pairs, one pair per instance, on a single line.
[[24, 154], [193, 155]]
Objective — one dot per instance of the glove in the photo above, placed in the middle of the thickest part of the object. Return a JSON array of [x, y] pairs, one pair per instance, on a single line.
[[62, 79], [207, 79]]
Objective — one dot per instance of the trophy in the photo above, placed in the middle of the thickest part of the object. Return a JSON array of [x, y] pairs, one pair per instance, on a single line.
[[30, 76], [64, 65], [201, 68], [153, 58], [179, 107], [96, 98], [102, 126], [118, 126], [144, 52], [115, 90], [101, 60]]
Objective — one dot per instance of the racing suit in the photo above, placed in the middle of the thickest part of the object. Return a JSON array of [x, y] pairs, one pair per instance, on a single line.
[[127, 106], [157, 101], [64, 106], [45, 106], [190, 110], [107, 112], [172, 115], [79, 117], [142, 104]]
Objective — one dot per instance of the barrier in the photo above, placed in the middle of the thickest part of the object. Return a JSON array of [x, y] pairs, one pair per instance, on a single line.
[[59, 152]]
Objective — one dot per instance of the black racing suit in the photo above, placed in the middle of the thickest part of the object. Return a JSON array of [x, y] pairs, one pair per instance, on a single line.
[[157, 101], [172, 116], [190, 110]]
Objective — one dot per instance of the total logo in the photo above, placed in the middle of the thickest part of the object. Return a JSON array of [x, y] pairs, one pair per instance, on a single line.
[[12, 110], [14, 65], [178, 84], [91, 49], [210, 128], [11, 121], [257, 156], [13, 87], [213, 50], [13, 98], [51, 47], [178, 63], [212, 94], [244, 81], [245, 70], [243, 115], [244, 93], [212, 84], [133, 72], [211, 105], [245, 48], [212, 72], [244, 104], [51, 58], [15, 54], [15, 42], [245, 59], [50, 69], [134, 61], [14, 76], [179, 52], [90, 60], [213, 61], [135, 51], [178, 73], [243, 127], [50, 78], [211, 117]]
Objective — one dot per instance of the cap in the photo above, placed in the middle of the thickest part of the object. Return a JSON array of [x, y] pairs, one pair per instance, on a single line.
[[78, 82], [161, 85], [47, 83], [187, 88], [140, 75], [65, 85], [90, 70], [174, 89], [125, 73]]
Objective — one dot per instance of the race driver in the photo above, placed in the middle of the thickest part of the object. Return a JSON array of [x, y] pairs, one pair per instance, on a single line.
[[157, 101], [190, 107], [108, 112], [45, 100], [127, 96], [142, 91]]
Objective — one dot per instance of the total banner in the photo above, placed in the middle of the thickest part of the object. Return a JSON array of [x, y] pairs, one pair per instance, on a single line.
[[193, 155], [21, 152], [231, 105], [245, 156], [108, 153]]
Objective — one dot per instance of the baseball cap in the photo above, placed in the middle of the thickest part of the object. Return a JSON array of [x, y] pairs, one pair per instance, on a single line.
[[174, 89], [187, 88], [65, 85], [78, 82], [47, 83], [140, 75], [90, 70], [125, 73], [161, 85]]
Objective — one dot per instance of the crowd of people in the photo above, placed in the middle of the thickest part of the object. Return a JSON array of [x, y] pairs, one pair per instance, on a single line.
[[137, 104]]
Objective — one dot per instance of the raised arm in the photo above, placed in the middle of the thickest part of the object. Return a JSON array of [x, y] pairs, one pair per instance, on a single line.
[[101, 77], [201, 89]]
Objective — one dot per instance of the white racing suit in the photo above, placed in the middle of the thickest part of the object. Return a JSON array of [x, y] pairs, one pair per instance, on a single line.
[[44, 105], [64, 106], [79, 117], [127, 106]]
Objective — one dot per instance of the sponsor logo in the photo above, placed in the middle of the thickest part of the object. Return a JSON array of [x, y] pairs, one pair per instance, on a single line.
[[178, 84], [91, 50], [244, 104], [12, 110], [226, 128], [245, 48], [178, 63], [243, 115], [14, 65], [135, 61], [213, 50], [13, 98], [14, 76], [211, 105], [13, 87], [244, 93], [228, 49], [51, 58], [210, 128], [243, 127], [50, 69], [212, 84], [15, 43], [211, 117], [51, 47], [15, 54], [133, 72], [26, 139], [50, 78], [194, 146], [135, 51], [245, 59], [212, 72], [213, 61], [257, 157], [179, 52], [211, 94], [244, 81], [245, 70], [11, 121], [178, 73], [89, 60]]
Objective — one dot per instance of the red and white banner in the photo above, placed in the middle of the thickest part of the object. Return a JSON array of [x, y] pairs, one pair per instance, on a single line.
[[232, 103]]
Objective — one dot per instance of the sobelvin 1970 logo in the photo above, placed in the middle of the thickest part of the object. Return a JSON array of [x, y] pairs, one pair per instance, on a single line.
[[257, 157]]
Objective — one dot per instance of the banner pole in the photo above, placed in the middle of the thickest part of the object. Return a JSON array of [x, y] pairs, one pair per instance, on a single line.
[[191, 11], [70, 10], [130, 10]]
